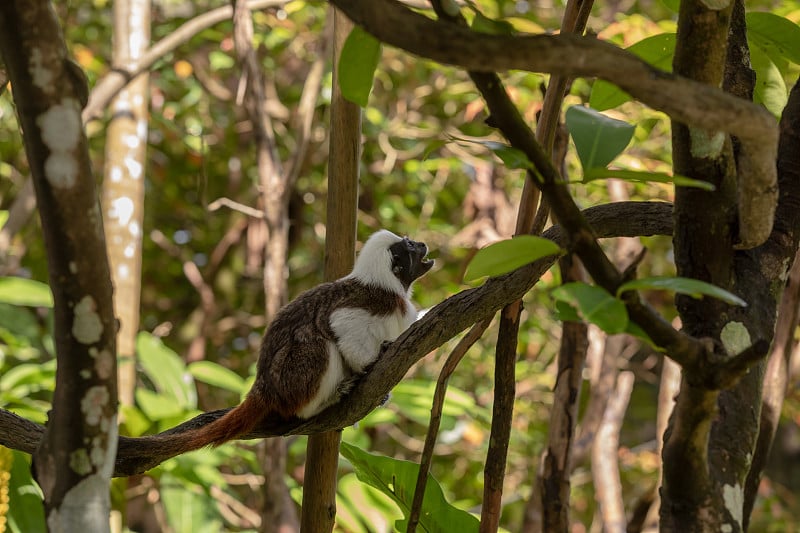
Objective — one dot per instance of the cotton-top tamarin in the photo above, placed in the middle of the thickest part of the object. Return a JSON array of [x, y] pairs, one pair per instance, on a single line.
[[320, 342]]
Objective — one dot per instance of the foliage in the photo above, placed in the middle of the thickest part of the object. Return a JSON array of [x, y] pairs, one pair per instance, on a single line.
[[426, 141]]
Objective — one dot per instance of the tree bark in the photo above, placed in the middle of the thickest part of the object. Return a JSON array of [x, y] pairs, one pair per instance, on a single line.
[[75, 456]]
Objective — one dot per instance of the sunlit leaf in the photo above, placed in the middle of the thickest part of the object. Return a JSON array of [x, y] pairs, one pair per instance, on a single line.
[[770, 89], [691, 287], [22, 291], [638, 176], [595, 305], [778, 36], [357, 63], [598, 138], [166, 370], [217, 375], [397, 479], [505, 256]]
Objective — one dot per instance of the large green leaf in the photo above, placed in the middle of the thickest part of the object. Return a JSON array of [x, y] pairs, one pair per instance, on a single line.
[[357, 63], [692, 287], [777, 36], [397, 479], [657, 50], [640, 176], [157, 406], [598, 138], [166, 370], [504, 256], [21, 291], [770, 89], [188, 510], [595, 305], [25, 507], [217, 375]]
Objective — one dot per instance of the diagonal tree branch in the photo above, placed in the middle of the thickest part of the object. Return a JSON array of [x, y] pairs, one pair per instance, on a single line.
[[444, 321], [690, 102]]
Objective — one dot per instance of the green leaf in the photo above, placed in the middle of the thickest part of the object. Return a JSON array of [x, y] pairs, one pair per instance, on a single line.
[[777, 36], [217, 375], [639, 176], [505, 256], [433, 146], [397, 479], [598, 138], [510, 156], [484, 24], [595, 305], [22, 291], [25, 507], [656, 50], [691, 287], [166, 370], [357, 63], [770, 88], [157, 406], [188, 510], [220, 60]]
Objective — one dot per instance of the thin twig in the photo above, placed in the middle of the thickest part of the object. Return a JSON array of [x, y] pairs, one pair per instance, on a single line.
[[436, 416]]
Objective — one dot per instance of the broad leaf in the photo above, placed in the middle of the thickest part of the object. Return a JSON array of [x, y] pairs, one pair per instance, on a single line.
[[22, 291], [770, 89], [504, 256], [598, 138], [595, 305], [779, 37], [217, 375], [656, 50], [357, 63], [397, 479], [166, 370], [635, 175], [691, 287]]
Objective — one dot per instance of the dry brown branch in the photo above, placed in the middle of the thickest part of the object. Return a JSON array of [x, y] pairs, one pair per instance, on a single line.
[[436, 417], [110, 84], [605, 464], [690, 102], [440, 324]]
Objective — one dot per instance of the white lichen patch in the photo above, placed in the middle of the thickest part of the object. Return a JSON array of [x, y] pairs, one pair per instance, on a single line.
[[103, 362], [42, 76], [706, 144], [93, 403], [123, 272], [726, 528], [87, 327], [79, 462], [61, 130], [73, 267], [85, 506], [134, 168], [121, 210], [733, 496], [735, 338]]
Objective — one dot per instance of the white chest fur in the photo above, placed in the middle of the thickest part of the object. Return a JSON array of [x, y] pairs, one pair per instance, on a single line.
[[360, 333]]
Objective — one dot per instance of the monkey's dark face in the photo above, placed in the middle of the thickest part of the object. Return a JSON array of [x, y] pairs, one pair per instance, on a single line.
[[408, 260]]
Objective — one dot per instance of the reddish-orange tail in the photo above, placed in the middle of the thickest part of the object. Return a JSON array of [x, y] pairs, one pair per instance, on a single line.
[[237, 422]]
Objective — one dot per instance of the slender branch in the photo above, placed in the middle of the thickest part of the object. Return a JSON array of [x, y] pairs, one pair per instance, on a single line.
[[110, 84], [690, 102], [448, 368], [444, 321], [605, 464]]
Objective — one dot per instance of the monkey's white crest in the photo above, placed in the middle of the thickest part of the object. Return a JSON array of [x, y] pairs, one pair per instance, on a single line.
[[374, 263]]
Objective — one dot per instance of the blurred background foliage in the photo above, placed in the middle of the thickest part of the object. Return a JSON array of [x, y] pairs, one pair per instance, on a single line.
[[416, 180]]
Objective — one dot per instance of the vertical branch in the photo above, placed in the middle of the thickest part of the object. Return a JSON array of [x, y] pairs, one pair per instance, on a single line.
[[322, 453], [278, 511], [605, 466], [123, 183], [436, 417], [556, 462], [75, 458]]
